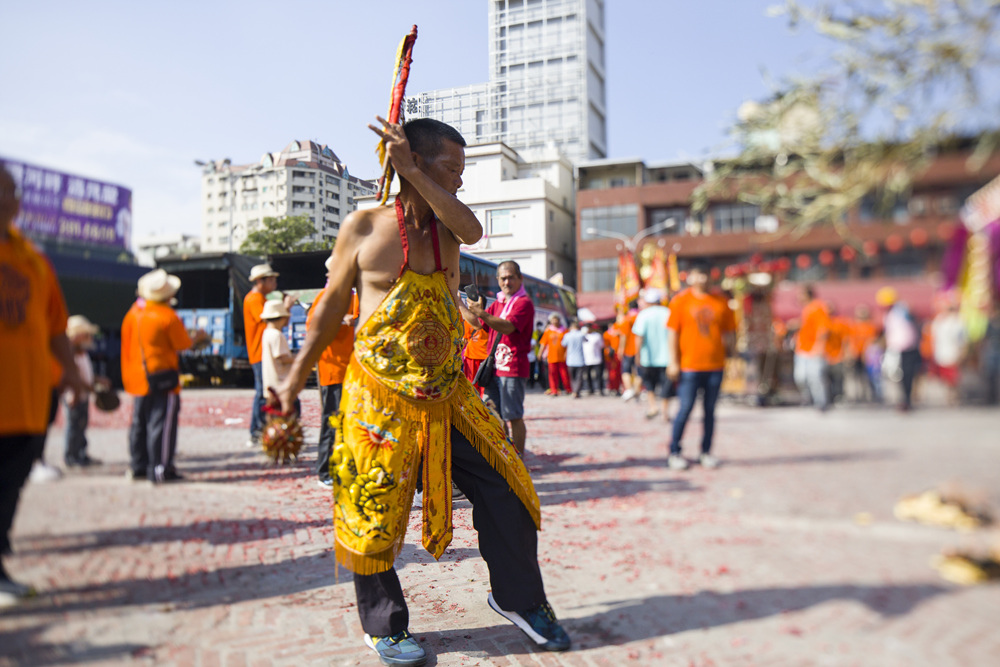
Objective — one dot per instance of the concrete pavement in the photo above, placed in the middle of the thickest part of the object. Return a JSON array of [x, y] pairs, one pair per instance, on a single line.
[[787, 555]]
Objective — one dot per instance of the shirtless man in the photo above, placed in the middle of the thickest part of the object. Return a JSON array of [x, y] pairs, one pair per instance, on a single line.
[[421, 234]]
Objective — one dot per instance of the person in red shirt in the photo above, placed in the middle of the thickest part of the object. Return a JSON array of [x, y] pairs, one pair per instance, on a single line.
[[32, 331], [265, 281], [330, 370], [555, 355], [511, 316], [810, 348], [701, 327]]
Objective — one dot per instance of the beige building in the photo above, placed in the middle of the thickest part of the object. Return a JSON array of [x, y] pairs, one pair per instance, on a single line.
[[525, 204], [305, 178]]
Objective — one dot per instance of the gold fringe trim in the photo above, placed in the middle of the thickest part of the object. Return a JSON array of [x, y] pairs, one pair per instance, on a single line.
[[366, 564]]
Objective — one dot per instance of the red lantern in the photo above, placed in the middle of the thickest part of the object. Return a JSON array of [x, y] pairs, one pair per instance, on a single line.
[[870, 248], [783, 264], [826, 257], [731, 271], [894, 243], [803, 261], [756, 258], [682, 276], [715, 273], [848, 253], [918, 237], [945, 231]]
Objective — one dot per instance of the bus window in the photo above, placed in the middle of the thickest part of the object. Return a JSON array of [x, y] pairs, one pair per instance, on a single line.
[[466, 272], [486, 280]]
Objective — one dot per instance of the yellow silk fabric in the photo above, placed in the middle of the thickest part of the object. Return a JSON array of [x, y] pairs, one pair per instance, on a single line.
[[403, 391]]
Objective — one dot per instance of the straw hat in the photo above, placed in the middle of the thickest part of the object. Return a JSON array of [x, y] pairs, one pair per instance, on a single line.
[[158, 286], [262, 271], [78, 324], [274, 309]]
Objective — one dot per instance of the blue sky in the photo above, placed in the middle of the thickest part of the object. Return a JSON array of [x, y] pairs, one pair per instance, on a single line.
[[134, 92]]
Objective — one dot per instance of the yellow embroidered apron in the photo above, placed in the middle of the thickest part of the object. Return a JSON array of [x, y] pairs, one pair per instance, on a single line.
[[403, 391]]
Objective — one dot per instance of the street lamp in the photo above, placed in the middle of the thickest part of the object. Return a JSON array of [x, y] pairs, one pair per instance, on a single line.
[[632, 242]]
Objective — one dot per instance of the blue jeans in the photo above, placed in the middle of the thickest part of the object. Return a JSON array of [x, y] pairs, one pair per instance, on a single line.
[[257, 409], [709, 382]]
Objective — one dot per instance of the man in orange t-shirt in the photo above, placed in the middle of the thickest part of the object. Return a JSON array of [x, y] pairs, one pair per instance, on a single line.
[[555, 354], [476, 350], [265, 281], [330, 369], [626, 353], [32, 331], [863, 333], [810, 348], [701, 327], [152, 337], [612, 338], [837, 340]]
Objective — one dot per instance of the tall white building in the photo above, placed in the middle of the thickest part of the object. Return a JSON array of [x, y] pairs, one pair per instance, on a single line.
[[526, 207], [305, 178], [546, 81]]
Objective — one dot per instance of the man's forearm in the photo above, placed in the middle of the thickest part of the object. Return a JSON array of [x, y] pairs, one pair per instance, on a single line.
[[453, 214], [498, 324]]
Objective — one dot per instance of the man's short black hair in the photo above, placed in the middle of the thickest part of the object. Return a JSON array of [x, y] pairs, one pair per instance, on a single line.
[[426, 136], [699, 265], [510, 264]]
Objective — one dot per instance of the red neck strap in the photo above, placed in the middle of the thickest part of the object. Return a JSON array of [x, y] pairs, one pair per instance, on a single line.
[[401, 221]]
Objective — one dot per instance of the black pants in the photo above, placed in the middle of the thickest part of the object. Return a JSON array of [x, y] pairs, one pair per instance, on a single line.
[[152, 436], [576, 377], [17, 454], [507, 541], [329, 397], [77, 418], [909, 364]]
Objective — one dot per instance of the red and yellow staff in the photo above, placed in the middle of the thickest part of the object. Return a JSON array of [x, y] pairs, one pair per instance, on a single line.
[[404, 56]]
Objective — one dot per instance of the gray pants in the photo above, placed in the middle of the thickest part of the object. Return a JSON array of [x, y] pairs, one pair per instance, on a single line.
[[810, 377], [329, 397], [77, 418], [153, 434]]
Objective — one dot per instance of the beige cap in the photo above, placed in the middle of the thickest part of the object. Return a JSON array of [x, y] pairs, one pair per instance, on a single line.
[[158, 285], [273, 309], [78, 324], [262, 271]]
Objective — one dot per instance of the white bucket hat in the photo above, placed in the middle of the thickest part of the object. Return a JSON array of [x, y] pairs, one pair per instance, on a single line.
[[79, 324], [262, 271], [274, 309], [158, 285]]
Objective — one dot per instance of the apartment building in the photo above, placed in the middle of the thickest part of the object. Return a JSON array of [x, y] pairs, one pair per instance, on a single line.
[[546, 84], [303, 179]]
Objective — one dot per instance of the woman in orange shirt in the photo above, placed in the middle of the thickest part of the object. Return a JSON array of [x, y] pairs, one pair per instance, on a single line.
[[555, 354]]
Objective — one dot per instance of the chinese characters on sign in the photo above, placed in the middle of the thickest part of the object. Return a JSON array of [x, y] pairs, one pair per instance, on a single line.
[[64, 207]]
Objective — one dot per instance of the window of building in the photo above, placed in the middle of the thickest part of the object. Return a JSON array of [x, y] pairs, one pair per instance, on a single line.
[[659, 216], [734, 218], [499, 221], [622, 219], [598, 275]]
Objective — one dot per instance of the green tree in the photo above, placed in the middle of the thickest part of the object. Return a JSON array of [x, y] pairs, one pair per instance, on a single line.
[[907, 77], [281, 235]]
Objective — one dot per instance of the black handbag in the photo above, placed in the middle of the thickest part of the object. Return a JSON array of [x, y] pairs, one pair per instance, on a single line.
[[488, 369]]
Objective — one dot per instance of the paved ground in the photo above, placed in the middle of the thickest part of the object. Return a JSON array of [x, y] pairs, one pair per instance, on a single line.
[[787, 555]]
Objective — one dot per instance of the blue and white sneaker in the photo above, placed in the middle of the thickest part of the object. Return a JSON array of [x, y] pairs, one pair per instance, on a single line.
[[399, 649], [539, 623]]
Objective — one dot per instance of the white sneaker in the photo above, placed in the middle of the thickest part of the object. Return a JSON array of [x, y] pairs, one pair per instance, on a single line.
[[628, 395], [12, 592], [677, 462], [42, 472], [708, 461]]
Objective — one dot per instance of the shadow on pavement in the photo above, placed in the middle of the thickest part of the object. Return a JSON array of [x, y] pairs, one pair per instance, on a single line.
[[664, 615], [212, 532], [820, 457], [559, 493], [23, 647]]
